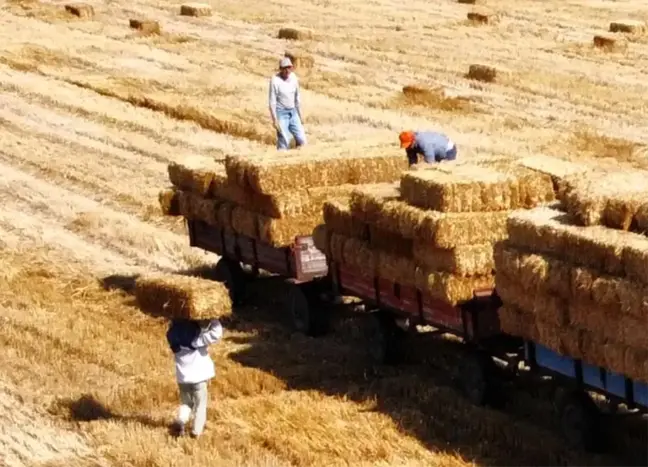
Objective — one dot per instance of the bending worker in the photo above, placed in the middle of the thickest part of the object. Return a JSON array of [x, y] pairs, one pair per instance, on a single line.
[[433, 146], [285, 109]]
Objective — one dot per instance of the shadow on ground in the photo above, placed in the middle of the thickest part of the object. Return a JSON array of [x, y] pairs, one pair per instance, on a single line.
[[420, 393], [88, 409]]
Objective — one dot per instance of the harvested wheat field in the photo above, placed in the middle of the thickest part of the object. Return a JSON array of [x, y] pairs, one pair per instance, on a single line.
[[93, 113]]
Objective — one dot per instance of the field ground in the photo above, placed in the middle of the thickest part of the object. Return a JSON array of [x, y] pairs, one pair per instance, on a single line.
[[91, 115]]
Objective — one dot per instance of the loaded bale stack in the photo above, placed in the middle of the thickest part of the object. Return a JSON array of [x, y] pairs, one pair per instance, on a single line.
[[435, 230], [575, 286], [277, 196]]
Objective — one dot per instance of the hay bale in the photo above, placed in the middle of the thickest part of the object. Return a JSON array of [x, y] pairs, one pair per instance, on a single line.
[[145, 26], [450, 288], [224, 212], [394, 268], [338, 218], [483, 73], [310, 167], [478, 17], [542, 304], [82, 10], [635, 364], [641, 219], [517, 323], [563, 340], [336, 248], [196, 174], [195, 9], [300, 60], [443, 230], [470, 260], [548, 231], [359, 255], [177, 296], [321, 235], [628, 26], [557, 169], [476, 188], [294, 34], [195, 207], [467, 2], [282, 232], [389, 242], [608, 198], [604, 42], [245, 222], [366, 200], [169, 200]]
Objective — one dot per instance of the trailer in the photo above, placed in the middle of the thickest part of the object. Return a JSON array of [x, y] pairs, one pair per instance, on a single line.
[[301, 265], [396, 307], [580, 417]]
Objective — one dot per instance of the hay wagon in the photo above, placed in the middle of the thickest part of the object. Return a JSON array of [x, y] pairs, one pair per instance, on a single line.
[[580, 417], [397, 308], [301, 264]]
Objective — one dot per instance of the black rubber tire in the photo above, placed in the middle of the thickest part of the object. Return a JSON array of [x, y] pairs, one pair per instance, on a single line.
[[579, 420], [384, 339], [305, 310], [232, 274], [478, 380]]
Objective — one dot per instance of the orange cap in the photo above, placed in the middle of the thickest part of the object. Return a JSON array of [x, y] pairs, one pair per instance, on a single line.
[[406, 139]]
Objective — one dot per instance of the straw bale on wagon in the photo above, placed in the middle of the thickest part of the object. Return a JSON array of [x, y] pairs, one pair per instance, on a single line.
[[451, 288], [311, 167], [616, 199], [469, 260], [169, 200], [557, 169], [178, 296], [477, 188], [367, 200], [395, 268], [196, 174], [390, 242], [275, 232], [338, 218]]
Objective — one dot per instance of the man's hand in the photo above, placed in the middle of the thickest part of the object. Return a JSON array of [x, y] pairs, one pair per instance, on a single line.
[[276, 126]]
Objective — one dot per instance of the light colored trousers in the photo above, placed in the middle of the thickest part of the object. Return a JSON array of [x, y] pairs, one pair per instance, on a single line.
[[290, 125], [193, 398]]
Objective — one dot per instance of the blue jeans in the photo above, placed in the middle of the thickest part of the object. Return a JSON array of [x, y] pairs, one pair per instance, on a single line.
[[290, 124]]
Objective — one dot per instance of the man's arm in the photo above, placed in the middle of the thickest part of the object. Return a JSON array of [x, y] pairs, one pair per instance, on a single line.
[[213, 333], [298, 100], [272, 102], [412, 155]]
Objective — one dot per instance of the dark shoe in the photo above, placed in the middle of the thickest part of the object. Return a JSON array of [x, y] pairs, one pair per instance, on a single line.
[[177, 429], [194, 435]]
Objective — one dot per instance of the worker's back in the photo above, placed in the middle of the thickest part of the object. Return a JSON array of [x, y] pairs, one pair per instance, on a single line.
[[432, 145]]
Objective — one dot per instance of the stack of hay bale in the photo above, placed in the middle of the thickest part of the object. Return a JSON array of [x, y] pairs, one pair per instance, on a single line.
[[435, 230], [276, 196], [574, 278]]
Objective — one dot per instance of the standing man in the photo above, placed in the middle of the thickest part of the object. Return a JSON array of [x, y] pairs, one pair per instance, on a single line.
[[433, 146], [285, 106]]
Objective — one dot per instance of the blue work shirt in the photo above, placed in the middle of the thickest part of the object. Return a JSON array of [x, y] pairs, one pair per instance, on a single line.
[[434, 147]]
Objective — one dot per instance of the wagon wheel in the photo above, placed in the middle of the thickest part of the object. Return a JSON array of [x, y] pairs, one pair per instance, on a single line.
[[384, 338], [232, 275], [580, 421], [304, 308], [478, 379]]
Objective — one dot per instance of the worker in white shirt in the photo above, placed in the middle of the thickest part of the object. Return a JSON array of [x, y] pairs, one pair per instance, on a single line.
[[285, 106], [189, 340]]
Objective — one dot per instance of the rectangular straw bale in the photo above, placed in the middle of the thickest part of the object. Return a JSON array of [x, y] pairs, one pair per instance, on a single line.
[[395, 268], [284, 204], [315, 167], [178, 296], [557, 169], [606, 198], [450, 288], [282, 232], [533, 271], [590, 316], [469, 260], [224, 212], [196, 207], [366, 200], [321, 235], [443, 230], [338, 218], [336, 246], [196, 174], [390, 242], [563, 340], [515, 322], [553, 232], [169, 200], [359, 255], [615, 356], [641, 218], [593, 350], [540, 303], [245, 222], [635, 259], [476, 188], [635, 364]]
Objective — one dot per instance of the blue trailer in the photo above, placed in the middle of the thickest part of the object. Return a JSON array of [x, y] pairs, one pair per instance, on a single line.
[[580, 417]]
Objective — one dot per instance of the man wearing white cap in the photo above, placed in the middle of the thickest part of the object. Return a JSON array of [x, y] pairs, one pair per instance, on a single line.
[[285, 109]]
